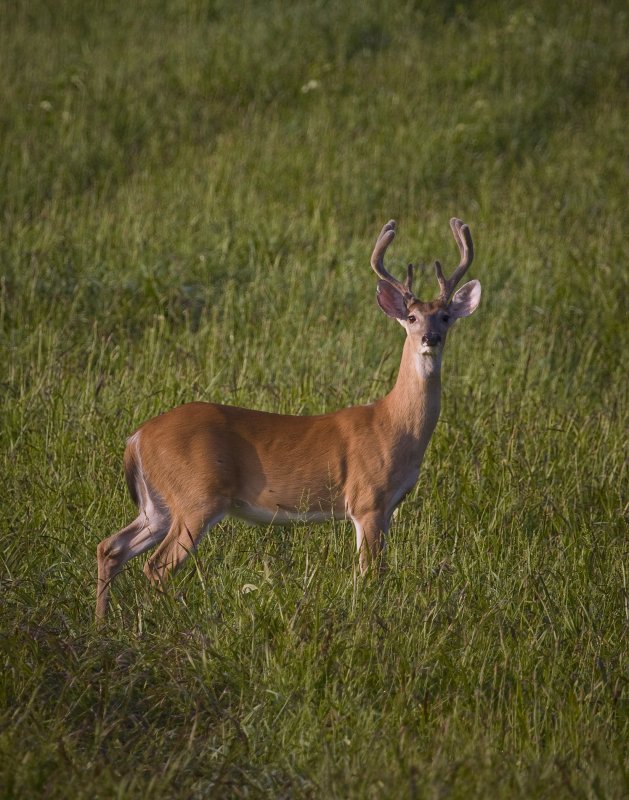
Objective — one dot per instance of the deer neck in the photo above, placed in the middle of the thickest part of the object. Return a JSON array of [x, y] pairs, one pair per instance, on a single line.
[[414, 402]]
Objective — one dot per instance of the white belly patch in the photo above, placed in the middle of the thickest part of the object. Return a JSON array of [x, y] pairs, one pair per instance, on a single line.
[[260, 515]]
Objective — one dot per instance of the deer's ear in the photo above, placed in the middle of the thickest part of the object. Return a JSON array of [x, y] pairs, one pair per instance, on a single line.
[[466, 300], [391, 301]]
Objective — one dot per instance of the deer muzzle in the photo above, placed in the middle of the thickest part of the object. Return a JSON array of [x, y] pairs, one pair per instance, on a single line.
[[431, 339]]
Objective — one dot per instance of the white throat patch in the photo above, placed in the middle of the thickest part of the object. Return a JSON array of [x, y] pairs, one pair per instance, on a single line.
[[428, 363]]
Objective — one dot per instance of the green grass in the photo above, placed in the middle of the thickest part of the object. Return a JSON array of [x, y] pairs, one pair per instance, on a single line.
[[189, 197]]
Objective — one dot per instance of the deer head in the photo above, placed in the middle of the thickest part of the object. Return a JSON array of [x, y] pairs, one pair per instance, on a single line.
[[427, 322]]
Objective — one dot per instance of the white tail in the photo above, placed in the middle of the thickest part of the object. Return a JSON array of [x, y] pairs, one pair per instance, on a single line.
[[192, 466]]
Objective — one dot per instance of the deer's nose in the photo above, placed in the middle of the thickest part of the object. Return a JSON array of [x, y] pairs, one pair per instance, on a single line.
[[431, 339]]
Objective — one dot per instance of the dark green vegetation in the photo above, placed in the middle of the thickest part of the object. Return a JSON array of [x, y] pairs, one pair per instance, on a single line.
[[189, 195]]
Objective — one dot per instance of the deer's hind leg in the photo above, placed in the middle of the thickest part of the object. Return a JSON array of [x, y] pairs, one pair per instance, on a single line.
[[114, 552], [182, 539]]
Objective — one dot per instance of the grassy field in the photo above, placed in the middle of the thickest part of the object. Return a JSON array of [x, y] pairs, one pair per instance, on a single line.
[[189, 195]]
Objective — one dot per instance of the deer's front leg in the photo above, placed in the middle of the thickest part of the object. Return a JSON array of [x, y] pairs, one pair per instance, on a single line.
[[371, 529]]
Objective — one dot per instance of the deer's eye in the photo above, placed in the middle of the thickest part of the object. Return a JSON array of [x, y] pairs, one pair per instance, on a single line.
[[412, 318], [445, 318]]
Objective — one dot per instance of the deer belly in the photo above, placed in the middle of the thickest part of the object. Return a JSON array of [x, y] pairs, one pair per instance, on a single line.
[[277, 514]]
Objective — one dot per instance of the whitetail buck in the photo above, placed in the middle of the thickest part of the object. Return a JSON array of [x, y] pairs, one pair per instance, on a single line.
[[200, 462]]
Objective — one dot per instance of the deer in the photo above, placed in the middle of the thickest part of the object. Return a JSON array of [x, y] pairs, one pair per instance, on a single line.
[[200, 462]]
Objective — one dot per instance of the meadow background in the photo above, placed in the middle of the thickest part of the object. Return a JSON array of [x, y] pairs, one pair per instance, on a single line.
[[189, 196]]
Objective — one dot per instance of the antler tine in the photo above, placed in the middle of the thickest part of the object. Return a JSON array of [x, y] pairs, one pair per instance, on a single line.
[[408, 283], [463, 238], [387, 235]]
